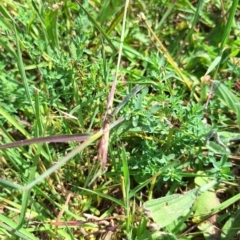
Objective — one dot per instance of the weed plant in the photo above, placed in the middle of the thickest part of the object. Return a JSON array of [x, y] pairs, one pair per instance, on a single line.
[[178, 135]]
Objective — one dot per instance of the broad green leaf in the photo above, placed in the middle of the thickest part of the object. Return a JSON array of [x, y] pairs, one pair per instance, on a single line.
[[207, 200], [204, 204], [173, 206], [167, 209]]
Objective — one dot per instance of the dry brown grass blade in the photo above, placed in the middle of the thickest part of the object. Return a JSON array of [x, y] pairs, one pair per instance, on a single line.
[[103, 147]]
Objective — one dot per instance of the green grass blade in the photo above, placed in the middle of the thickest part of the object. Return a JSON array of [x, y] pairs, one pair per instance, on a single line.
[[106, 196], [214, 64], [225, 204], [98, 27], [167, 13], [228, 98], [12, 228], [231, 227], [229, 24], [26, 194], [13, 122], [9, 184], [33, 169], [69, 156], [108, 9], [22, 70], [126, 175], [51, 23], [145, 183], [126, 188], [227, 30]]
